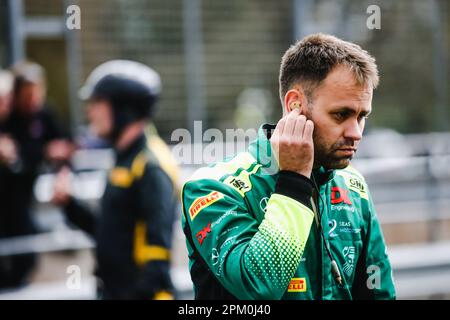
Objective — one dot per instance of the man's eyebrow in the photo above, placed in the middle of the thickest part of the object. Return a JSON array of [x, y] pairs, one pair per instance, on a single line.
[[345, 109], [352, 111]]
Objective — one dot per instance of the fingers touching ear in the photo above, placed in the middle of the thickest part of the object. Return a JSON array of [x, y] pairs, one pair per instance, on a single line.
[[294, 99]]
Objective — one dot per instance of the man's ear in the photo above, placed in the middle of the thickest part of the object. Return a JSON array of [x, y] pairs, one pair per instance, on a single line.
[[294, 98]]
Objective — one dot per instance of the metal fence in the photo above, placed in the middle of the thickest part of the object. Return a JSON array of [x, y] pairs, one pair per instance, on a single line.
[[210, 52]]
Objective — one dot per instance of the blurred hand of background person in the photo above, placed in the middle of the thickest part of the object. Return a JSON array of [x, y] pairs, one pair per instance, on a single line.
[[8, 150], [62, 187]]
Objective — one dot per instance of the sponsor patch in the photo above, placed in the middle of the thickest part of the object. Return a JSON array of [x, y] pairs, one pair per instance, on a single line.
[[349, 255], [219, 221], [263, 204], [341, 227], [239, 184], [343, 208], [200, 203], [297, 285], [201, 235], [339, 195], [354, 183]]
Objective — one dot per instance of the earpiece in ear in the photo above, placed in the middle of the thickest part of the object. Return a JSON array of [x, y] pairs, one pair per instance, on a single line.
[[295, 105]]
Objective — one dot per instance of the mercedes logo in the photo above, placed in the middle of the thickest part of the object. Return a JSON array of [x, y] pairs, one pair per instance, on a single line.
[[214, 256], [263, 204]]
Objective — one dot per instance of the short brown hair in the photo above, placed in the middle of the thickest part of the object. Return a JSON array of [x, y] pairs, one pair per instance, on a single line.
[[310, 60]]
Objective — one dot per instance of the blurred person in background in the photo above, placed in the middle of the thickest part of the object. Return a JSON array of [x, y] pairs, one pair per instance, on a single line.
[[133, 231], [8, 159], [8, 152], [32, 124], [291, 218], [6, 90], [29, 136]]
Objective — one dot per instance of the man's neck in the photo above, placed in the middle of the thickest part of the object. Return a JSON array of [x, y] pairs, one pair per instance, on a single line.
[[129, 135]]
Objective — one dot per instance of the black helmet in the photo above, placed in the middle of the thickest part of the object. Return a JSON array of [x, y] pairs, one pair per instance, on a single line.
[[131, 87]]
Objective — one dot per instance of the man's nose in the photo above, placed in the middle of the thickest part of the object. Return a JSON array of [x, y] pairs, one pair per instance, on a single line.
[[353, 131]]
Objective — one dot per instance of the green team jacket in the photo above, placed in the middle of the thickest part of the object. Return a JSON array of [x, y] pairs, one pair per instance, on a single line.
[[253, 232]]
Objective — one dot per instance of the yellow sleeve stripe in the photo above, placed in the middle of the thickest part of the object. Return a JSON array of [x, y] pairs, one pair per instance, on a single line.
[[123, 177], [144, 252], [138, 165], [163, 295]]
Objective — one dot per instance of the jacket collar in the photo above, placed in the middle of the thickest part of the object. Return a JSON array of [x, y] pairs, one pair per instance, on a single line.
[[261, 150], [135, 147]]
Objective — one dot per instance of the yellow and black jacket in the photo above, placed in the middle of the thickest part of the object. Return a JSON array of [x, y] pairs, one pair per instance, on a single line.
[[134, 229]]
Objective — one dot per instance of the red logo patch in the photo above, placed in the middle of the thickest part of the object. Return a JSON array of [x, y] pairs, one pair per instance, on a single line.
[[201, 235], [339, 195]]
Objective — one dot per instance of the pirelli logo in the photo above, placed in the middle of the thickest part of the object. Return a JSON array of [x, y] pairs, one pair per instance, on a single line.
[[203, 202], [297, 285]]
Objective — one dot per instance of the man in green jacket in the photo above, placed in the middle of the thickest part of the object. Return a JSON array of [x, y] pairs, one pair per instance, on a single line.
[[291, 218]]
